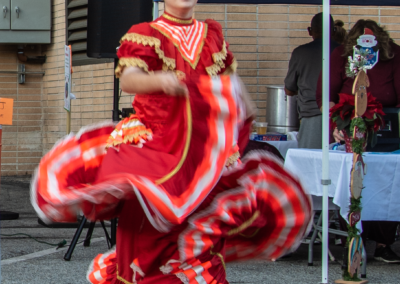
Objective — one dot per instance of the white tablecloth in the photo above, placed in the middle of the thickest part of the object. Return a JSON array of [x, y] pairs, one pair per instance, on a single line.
[[283, 146], [381, 195]]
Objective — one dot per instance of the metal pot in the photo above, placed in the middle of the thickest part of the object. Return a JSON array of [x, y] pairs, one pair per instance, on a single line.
[[282, 113]]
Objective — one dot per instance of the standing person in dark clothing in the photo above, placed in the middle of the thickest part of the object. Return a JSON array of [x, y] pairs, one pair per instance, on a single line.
[[340, 32], [384, 80], [301, 80]]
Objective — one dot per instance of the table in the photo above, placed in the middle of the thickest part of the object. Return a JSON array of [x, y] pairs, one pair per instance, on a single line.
[[283, 146], [381, 195]]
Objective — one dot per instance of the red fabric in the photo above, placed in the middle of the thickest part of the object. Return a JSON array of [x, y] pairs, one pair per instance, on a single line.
[[124, 184], [384, 79], [345, 107], [213, 43]]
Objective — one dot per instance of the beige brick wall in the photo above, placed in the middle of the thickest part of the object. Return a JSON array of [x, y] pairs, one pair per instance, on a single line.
[[261, 37], [91, 84], [21, 142]]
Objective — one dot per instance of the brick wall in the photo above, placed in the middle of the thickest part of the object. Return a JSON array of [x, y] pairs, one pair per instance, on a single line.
[[21, 142], [261, 37], [91, 84]]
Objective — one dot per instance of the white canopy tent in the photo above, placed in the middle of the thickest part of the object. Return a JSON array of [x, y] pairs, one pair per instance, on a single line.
[[325, 87]]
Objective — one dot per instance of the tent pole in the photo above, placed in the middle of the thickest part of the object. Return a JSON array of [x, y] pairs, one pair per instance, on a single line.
[[155, 10], [325, 136]]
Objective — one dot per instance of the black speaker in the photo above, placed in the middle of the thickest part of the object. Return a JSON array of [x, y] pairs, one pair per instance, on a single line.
[[109, 20]]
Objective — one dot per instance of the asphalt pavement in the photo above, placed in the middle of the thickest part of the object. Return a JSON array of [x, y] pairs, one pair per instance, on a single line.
[[25, 260]]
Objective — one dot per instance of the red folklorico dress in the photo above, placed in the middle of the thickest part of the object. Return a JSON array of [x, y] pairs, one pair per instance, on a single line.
[[171, 173]]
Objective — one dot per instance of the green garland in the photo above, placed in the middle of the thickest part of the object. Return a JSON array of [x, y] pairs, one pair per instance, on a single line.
[[358, 145], [357, 64], [347, 277]]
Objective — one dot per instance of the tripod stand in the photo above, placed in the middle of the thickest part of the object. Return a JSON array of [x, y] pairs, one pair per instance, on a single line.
[[110, 240]]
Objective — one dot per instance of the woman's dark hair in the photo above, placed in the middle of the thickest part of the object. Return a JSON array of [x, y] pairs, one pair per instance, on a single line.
[[382, 37], [340, 33]]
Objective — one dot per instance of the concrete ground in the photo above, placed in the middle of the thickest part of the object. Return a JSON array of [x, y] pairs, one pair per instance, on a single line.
[[23, 260]]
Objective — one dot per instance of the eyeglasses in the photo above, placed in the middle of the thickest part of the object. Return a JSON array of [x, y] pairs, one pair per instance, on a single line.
[[309, 29]]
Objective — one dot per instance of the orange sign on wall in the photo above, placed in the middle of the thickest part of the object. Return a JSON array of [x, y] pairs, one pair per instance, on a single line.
[[6, 111]]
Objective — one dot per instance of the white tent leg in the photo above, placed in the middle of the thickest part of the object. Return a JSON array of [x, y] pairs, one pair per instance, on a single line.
[[325, 136], [155, 10]]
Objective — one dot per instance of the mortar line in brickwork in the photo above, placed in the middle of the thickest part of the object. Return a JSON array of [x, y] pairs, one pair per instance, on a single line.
[[226, 20], [258, 56], [349, 16], [379, 14]]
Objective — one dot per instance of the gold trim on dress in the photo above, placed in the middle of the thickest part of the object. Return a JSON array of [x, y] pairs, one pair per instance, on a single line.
[[130, 61], [185, 150], [231, 68], [245, 225], [232, 159], [129, 138], [177, 46], [153, 42], [213, 70], [122, 279], [219, 255], [176, 20], [219, 57]]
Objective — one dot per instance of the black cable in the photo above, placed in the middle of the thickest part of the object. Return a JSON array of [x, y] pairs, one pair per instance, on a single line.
[[59, 245]]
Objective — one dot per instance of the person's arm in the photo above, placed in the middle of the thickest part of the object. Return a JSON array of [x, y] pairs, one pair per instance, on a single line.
[[292, 75], [336, 80], [289, 92], [396, 72], [134, 80]]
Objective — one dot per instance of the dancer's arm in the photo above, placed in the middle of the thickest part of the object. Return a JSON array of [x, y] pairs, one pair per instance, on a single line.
[[134, 80]]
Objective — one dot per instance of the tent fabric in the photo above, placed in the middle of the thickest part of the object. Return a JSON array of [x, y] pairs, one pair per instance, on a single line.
[[314, 2]]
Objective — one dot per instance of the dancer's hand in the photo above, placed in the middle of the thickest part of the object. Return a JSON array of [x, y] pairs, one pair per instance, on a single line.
[[170, 85], [338, 135]]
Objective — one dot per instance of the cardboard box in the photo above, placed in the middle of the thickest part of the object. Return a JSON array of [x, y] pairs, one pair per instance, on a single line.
[[270, 137]]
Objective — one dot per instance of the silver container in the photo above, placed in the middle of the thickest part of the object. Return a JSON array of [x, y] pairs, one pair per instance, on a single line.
[[282, 113]]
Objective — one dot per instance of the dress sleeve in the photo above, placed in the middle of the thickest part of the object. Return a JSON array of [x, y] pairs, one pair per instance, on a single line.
[[292, 75], [230, 62], [221, 60], [138, 49]]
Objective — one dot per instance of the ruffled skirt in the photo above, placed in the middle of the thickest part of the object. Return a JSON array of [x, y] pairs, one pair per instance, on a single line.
[[180, 220]]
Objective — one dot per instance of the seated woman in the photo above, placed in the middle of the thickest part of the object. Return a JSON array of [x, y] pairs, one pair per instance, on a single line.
[[384, 80]]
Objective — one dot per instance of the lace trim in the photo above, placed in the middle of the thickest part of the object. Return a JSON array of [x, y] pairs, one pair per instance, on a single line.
[[176, 20], [153, 42], [232, 159], [231, 68], [219, 57], [213, 70], [245, 225], [131, 61], [132, 138]]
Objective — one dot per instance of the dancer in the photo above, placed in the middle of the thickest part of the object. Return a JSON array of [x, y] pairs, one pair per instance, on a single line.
[[186, 204]]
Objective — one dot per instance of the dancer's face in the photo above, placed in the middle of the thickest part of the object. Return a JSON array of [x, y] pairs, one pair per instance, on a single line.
[[180, 8]]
